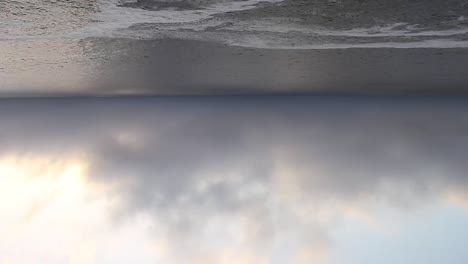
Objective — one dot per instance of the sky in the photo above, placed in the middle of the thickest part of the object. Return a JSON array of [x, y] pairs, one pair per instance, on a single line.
[[333, 180]]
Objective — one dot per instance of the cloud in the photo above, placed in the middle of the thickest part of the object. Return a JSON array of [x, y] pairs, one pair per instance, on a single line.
[[255, 180]]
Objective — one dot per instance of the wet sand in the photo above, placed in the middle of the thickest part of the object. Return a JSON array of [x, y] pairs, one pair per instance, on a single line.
[[186, 67], [186, 47]]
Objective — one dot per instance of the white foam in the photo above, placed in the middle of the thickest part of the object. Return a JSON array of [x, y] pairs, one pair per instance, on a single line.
[[440, 43], [272, 34], [376, 32], [389, 32]]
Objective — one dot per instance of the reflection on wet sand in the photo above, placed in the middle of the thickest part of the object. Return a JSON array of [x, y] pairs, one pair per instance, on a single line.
[[234, 180], [183, 67]]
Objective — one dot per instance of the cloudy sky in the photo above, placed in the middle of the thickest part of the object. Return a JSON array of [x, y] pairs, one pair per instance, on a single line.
[[334, 180]]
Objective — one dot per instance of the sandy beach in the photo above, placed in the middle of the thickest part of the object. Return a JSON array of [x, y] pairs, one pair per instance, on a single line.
[[112, 47]]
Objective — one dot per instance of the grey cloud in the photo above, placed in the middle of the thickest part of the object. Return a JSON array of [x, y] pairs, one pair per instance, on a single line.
[[193, 160], [355, 142]]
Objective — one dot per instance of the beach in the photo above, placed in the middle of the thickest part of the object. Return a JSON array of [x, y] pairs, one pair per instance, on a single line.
[[111, 47]]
